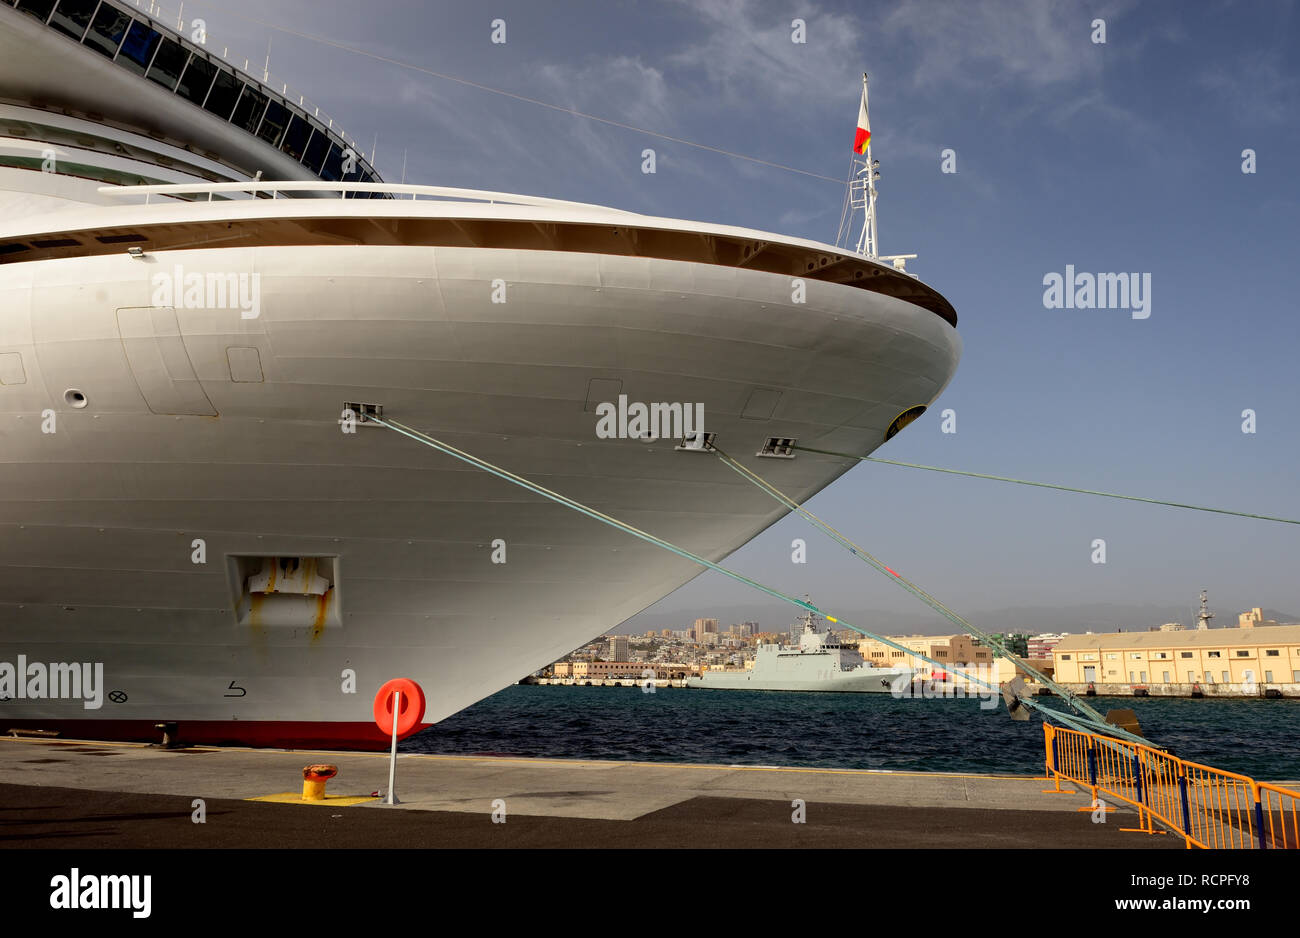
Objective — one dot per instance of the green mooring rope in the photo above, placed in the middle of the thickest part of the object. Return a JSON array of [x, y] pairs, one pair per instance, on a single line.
[[1047, 485], [1097, 725]]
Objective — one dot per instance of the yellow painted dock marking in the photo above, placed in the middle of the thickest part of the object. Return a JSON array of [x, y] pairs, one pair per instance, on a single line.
[[295, 797]]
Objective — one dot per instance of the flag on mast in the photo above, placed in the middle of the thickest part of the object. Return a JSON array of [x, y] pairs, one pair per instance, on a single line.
[[862, 139]]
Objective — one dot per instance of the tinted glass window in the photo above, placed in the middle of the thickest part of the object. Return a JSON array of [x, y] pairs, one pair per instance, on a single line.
[[138, 48], [197, 80], [333, 169], [295, 140], [168, 64], [273, 123], [249, 110], [37, 8], [107, 30], [73, 16], [317, 150], [225, 90]]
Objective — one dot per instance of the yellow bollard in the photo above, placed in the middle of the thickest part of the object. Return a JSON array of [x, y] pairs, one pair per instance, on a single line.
[[314, 778]]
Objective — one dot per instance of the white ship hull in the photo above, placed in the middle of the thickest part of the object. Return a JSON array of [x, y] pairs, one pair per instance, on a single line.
[[192, 443], [99, 517]]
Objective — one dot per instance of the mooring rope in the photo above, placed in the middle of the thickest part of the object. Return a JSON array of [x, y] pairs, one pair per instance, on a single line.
[[1048, 712], [863, 554], [1047, 485]]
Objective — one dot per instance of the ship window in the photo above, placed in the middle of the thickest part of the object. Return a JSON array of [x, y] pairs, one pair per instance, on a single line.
[[273, 124], [225, 92], [333, 170], [138, 48], [317, 150], [37, 8], [197, 80], [168, 64], [106, 30], [73, 16], [295, 138], [248, 113]]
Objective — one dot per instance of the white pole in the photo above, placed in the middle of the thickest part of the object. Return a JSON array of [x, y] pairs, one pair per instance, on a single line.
[[872, 248], [392, 757]]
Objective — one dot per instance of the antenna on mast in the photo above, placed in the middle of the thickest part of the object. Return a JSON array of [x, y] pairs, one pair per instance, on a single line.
[[862, 193], [868, 241], [1203, 619]]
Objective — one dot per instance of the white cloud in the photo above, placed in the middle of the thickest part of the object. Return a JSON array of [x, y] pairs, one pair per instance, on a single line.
[[1257, 89], [744, 50], [1003, 41]]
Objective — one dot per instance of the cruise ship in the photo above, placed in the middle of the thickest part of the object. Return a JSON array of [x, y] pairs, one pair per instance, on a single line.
[[200, 275]]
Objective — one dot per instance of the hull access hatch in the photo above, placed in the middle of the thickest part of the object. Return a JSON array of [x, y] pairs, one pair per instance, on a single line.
[[292, 592]]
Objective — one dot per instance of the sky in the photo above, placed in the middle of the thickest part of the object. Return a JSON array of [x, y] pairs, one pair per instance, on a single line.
[[1117, 156]]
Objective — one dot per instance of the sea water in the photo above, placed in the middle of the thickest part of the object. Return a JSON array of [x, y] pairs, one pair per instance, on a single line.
[[1255, 737]]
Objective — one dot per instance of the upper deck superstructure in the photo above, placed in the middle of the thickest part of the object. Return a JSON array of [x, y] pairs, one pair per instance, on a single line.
[[101, 91]]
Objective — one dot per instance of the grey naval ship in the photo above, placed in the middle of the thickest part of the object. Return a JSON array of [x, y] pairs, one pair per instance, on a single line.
[[199, 273], [817, 663]]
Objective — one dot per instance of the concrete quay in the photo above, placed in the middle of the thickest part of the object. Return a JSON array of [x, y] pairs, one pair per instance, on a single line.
[[64, 793]]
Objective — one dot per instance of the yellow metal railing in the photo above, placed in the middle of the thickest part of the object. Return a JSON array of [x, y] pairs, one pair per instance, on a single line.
[[1208, 807], [1280, 813]]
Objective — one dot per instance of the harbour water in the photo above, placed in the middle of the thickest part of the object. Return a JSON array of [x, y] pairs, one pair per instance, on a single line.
[[1260, 738]]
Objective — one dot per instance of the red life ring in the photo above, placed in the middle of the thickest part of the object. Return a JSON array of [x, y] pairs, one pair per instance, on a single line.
[[411, 711]]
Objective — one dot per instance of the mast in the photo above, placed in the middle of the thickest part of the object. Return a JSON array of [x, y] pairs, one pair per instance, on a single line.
[[867, 241], [862, 195], [1205, 614]]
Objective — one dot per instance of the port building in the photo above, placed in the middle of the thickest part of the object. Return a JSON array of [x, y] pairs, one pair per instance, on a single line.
[[1221, 662], [957, 649]]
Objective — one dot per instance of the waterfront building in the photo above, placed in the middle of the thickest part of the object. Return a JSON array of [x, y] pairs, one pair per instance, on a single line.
[[600, 670], [1015, 642], [1041, 645], [957, 649], [1258, 655]]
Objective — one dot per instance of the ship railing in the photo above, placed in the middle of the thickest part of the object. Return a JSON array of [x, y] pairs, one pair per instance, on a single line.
[[1208, 807], [270, 189]]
